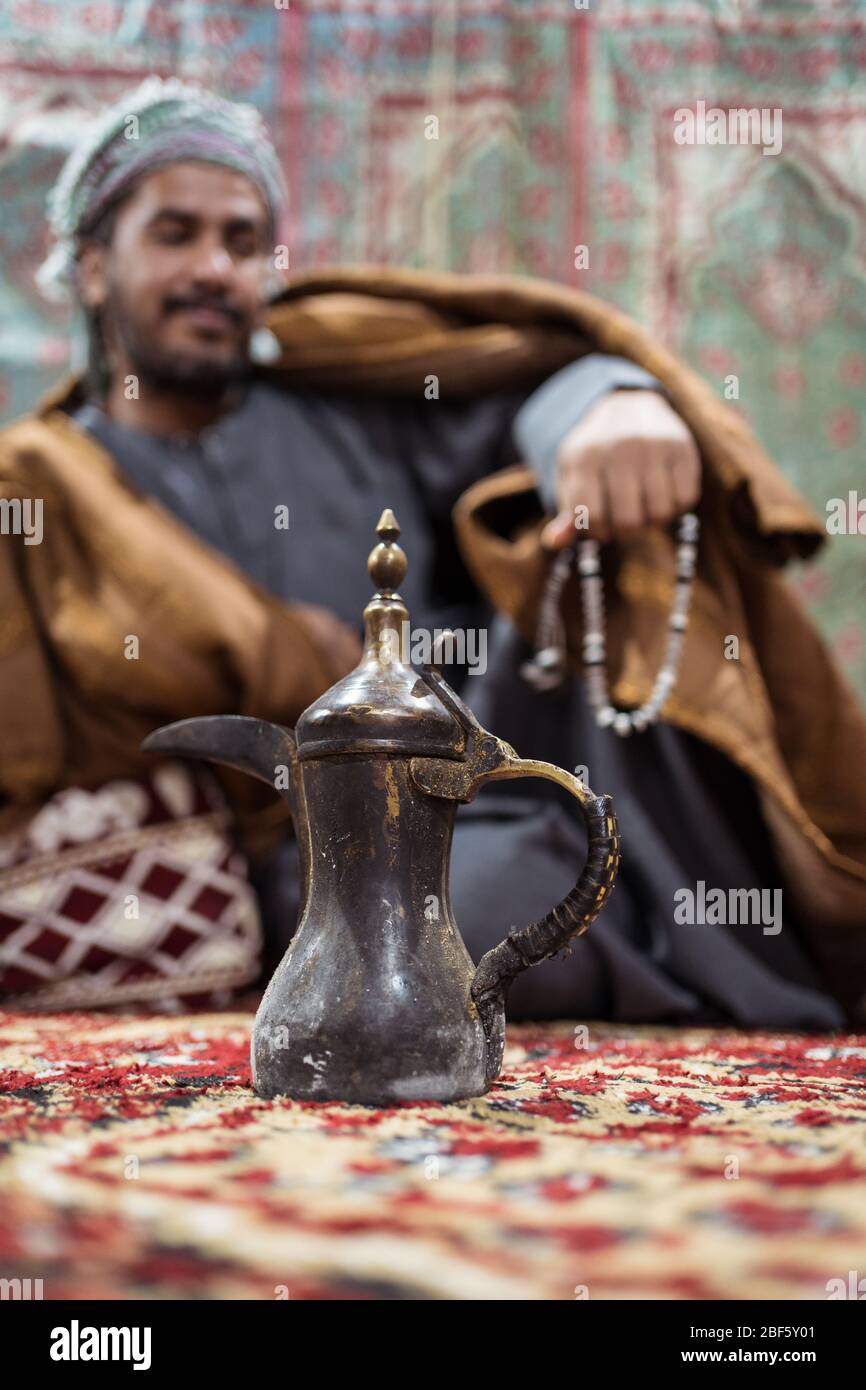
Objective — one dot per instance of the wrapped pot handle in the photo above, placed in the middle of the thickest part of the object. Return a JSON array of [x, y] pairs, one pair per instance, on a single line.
[[571, 917], [487, 759]]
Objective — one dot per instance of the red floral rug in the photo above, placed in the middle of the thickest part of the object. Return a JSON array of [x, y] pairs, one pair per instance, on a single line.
[[607, 1162]]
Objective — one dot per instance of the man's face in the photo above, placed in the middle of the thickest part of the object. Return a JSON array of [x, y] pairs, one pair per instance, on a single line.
[[180, 286]]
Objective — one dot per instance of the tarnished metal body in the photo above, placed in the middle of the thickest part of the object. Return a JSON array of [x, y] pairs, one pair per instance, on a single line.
[[372, 998], [377, 999]]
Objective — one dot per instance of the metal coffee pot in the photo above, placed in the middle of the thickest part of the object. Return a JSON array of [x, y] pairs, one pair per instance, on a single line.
[[377, 999]]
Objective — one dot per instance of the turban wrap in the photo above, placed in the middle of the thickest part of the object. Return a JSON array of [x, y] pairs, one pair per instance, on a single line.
[[159, 123]]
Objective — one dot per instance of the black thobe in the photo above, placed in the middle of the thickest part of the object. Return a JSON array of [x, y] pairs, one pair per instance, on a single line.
[[685, 813]]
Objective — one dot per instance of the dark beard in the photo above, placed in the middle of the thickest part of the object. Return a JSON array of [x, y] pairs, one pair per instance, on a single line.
[[179, 373], [185, 375]]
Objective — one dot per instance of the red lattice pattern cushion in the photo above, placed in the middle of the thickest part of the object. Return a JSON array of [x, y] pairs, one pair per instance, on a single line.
[[131, 892]]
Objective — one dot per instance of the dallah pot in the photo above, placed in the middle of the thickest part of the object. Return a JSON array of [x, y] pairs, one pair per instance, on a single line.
[[377, 999]]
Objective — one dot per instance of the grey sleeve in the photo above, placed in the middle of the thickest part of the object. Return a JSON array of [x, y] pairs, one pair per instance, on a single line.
[[546, 416]]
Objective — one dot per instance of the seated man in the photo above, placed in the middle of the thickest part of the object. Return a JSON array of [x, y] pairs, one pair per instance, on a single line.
[[210, 490]]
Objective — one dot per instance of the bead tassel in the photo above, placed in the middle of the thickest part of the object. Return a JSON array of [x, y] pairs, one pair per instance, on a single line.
[[547, 668]]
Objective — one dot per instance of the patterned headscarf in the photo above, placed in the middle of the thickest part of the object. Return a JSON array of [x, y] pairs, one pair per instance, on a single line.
[[159, 123]]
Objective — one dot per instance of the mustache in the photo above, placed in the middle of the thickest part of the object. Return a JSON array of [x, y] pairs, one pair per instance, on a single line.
[[204, 301]]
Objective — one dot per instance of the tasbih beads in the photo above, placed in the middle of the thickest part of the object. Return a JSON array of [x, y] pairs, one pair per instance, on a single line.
[[547, 668]]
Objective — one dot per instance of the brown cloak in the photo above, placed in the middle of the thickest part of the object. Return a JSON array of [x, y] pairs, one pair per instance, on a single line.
[[113, 564]]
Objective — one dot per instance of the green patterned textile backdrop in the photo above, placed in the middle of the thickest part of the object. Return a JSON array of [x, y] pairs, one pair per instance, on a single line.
[[554, 129]]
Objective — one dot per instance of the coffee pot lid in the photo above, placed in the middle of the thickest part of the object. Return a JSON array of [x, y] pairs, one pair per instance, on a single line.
[[384, 705]]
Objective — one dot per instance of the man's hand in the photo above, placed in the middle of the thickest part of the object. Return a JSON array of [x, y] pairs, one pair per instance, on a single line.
[[631, 461]]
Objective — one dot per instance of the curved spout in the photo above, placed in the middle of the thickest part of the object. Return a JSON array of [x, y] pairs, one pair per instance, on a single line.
[[247, 745]]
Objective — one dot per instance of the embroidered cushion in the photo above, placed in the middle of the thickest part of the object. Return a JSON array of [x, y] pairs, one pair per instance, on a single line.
[[131, 892]]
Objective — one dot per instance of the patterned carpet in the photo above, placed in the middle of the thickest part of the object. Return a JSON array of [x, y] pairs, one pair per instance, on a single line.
[[607, 1162]]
